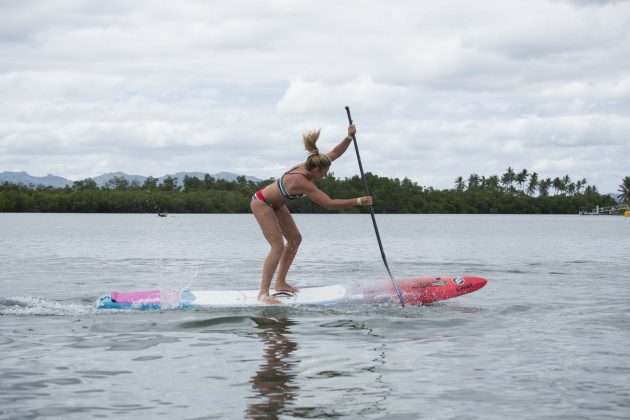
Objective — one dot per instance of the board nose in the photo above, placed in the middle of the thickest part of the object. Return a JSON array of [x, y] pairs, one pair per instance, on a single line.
[[477, 282]]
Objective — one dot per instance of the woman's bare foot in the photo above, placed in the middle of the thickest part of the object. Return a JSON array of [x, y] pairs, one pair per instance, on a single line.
[[285, 287], [264, 297]]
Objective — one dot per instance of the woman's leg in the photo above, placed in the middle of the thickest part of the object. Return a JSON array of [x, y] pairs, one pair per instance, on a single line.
[[270, 226], [294, 238]]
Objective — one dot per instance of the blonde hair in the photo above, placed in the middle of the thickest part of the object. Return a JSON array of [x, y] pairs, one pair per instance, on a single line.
[[314, 159]]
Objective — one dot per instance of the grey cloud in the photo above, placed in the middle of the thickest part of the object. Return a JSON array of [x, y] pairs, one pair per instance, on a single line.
[[451, 87]]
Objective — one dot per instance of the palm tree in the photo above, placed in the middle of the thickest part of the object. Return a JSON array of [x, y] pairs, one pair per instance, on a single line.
[[491, 183], [566, 182], [473, 181], [591, 190], [579, 185], [533, 183], [543, 187], [521, 178], [507, 179], [557, 185], [460, 184], [624, 189]]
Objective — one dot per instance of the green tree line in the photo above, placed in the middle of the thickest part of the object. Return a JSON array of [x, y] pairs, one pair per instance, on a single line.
[[512, 192]]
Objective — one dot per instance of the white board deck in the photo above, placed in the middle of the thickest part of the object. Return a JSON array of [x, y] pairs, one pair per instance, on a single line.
[[306, 296]]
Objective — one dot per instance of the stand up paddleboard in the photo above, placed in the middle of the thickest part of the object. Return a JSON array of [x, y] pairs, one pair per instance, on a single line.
[[414, 291]]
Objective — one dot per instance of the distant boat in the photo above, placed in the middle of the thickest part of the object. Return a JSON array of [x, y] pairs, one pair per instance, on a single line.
[[162, 214]]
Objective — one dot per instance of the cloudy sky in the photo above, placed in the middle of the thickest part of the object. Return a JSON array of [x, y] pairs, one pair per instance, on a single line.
[[438, 89]]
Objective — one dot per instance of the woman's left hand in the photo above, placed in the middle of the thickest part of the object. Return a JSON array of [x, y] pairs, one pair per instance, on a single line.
[[352, 129], [365, 201]]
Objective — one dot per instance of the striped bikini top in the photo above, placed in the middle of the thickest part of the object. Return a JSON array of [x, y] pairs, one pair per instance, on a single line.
[[283, 189]]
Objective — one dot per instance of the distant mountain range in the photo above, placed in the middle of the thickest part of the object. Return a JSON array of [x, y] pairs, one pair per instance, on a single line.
[[102, 180]]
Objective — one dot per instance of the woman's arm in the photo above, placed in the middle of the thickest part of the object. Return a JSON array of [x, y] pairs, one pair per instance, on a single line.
[[321, 198], [341, 148]]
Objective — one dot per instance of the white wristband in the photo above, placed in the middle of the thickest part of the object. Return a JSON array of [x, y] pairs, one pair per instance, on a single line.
[[359, 201]]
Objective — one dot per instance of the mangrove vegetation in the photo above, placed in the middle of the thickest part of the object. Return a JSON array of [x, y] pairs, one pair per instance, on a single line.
[[513, 192]]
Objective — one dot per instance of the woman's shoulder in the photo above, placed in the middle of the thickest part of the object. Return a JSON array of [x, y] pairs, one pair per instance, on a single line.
[[298, 166], [297, 170]]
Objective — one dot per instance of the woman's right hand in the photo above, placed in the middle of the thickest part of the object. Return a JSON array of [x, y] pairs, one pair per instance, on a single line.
[[365, 200], [352, 129]]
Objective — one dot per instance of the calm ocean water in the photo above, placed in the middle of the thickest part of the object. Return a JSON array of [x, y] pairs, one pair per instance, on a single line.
[[547, 338]]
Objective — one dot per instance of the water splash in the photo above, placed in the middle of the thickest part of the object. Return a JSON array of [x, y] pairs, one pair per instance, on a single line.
[[171, 283], [28, 305]]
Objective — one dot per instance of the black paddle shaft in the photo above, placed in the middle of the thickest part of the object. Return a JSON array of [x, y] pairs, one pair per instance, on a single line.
[[378, 236]]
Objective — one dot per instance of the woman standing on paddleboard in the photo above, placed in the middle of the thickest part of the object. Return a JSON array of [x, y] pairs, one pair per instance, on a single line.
[[269, 206]]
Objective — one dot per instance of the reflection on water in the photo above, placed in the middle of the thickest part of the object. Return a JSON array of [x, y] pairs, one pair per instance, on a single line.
[[273, 381]]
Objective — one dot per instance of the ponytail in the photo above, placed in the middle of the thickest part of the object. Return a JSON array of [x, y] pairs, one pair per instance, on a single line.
[[314, 159]]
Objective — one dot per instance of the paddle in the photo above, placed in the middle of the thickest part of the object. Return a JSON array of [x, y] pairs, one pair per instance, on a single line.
[[367, 192]]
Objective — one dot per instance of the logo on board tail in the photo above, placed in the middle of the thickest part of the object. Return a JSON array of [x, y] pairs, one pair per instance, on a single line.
[[459, 280]]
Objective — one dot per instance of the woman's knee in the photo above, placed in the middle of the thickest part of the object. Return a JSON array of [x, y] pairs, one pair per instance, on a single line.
[[276, 249], [294, 240]]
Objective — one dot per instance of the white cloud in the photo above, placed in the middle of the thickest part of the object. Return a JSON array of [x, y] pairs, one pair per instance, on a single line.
[[438, 90]]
